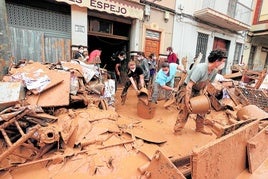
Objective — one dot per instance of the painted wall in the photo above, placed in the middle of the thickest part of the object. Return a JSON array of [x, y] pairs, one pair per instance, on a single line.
[[157, 22], [134, 35], [264, 11], [186, 32]]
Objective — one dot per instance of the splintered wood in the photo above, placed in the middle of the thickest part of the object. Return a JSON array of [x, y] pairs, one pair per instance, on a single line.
[[224, 157], [257, 149], [161, 167]]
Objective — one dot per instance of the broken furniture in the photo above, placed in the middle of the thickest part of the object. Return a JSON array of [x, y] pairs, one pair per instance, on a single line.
[[256, 77]]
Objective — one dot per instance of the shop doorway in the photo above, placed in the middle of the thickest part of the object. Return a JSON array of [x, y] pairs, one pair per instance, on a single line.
[[109, 46], [152, 42], [224, 45]]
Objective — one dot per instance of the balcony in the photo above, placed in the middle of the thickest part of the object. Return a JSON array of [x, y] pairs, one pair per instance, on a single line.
[[228, 14]]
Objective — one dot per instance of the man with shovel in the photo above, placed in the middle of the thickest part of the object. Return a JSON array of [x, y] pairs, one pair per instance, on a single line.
[[195, 84]]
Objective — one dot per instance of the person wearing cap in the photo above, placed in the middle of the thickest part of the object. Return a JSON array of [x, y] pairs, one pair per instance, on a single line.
[[165, 79], [194, 85]]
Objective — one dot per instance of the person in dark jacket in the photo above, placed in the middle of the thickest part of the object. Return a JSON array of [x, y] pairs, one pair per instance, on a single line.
[[135, 78]]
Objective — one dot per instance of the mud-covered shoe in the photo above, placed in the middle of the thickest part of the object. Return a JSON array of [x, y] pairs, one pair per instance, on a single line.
[[123, 98], [177, 128], [200, 127]]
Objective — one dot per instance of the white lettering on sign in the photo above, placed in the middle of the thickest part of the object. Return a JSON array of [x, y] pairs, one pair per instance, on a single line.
[[108, 7], [76, 1]]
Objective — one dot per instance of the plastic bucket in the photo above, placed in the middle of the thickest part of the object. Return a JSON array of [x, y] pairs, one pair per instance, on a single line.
[[200, 104], [146, 111]]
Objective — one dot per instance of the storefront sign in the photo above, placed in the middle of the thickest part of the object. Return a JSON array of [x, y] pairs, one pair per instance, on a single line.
[[109, 6], [79, 28]]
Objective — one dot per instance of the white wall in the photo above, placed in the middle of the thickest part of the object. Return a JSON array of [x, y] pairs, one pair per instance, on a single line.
[[134, 35], [185, 34], [184, 40], [79, 25]]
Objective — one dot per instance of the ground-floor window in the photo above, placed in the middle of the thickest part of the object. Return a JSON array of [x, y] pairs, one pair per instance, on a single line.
[[201, 46], [251, 57], [266, 61], [237, 54]]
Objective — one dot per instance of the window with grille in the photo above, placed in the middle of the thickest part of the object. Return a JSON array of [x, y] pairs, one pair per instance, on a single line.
[[152, 34], [43, 19], [99, 25], [201, 46], [237, 54]]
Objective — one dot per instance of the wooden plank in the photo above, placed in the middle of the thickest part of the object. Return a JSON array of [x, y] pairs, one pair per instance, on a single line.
[[147, 134], [148, 150], [225, 157], [56, 96], [54, 80], [257, 149], [162, 167], [233, 75]]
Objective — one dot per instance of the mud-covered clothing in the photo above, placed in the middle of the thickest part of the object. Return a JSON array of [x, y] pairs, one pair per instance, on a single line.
[[152, 66], [172, 58], [200, 76], [136, 77], [163, 79], [146, 70]]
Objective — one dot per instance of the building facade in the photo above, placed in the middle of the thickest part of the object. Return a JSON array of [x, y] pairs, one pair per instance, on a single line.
[[204, 25], [256, 48], [39, 31], [51, 30]]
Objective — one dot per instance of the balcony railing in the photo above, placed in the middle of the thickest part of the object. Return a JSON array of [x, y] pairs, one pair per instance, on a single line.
[[232, 8]]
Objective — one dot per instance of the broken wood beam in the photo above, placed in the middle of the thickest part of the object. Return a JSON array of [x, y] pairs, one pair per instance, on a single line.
[[161, 167], [19, 142], [257, 149], [113, 145], [6, 124]]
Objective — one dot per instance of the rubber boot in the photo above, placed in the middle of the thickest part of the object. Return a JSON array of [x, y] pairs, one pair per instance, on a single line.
[[123, 98], [200, 126], [181, 119]]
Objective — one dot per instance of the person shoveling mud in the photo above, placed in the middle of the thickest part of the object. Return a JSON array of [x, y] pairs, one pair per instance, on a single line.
[[194, 85]]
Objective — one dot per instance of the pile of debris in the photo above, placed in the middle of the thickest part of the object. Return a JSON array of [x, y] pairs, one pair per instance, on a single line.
[[61, 84], [41, 123]]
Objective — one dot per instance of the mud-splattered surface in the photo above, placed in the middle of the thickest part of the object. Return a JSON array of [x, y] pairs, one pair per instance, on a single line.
[[113, 154]]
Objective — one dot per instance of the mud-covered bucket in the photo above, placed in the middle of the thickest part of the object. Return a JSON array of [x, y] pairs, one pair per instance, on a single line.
[[143, 95], [146, 111], [200, 104]]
